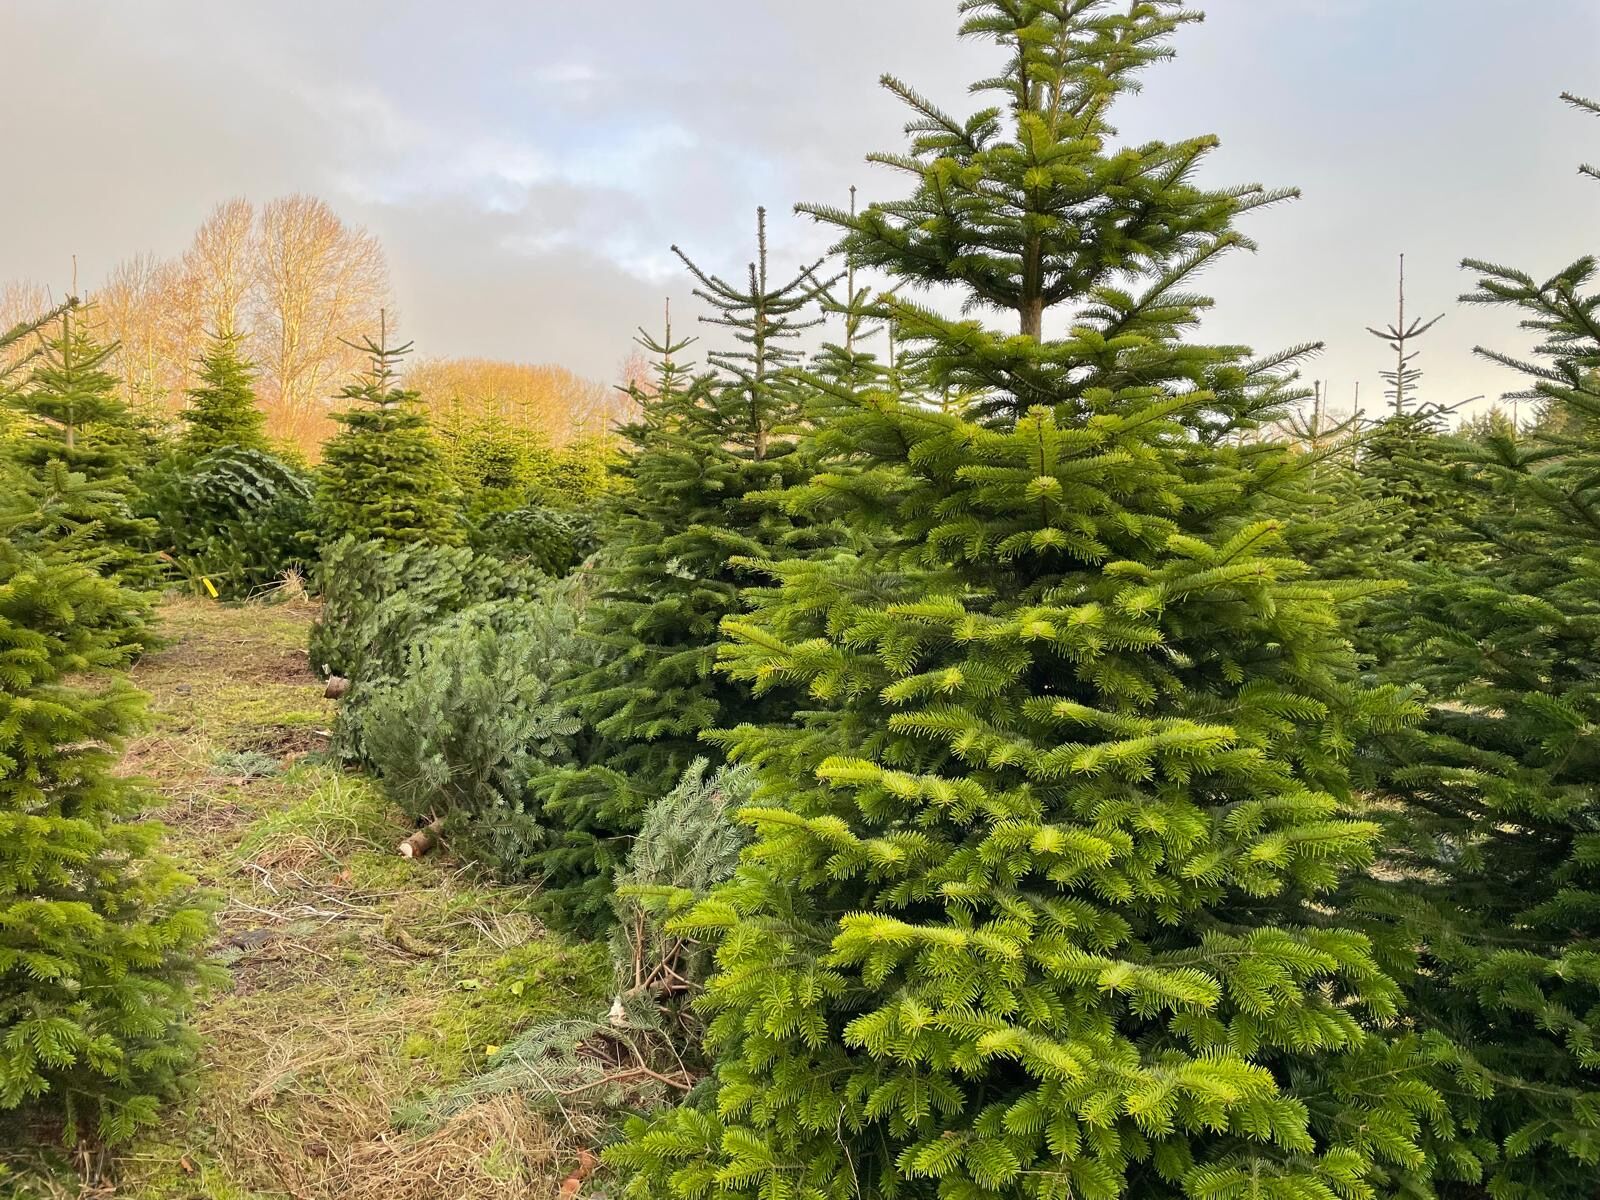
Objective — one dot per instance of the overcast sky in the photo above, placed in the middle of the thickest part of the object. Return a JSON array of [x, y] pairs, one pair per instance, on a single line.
[[528, 163]]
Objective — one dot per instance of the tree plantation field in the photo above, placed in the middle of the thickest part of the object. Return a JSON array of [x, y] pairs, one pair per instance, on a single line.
[[946, 728]]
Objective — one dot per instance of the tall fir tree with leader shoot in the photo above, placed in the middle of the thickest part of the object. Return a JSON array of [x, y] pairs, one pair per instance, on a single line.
[[704, 445], [1033, 908], [383, 476]]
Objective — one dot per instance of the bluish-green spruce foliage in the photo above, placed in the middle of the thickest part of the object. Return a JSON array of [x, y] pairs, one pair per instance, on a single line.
[[1499, 790], [1032, 909], [471, 718], [383, 476], [99, 935], [703, 447]]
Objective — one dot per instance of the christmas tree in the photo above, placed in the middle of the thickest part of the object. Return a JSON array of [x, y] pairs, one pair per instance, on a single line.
[[383, 476], [703, 447], [222, 412], [1499, 791], [1033, 906], [70, 414], [99, 936]]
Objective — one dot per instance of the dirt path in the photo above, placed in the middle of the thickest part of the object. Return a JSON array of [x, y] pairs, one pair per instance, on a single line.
[[361, 982]]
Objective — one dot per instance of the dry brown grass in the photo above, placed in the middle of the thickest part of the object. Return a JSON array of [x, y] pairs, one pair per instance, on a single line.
[[360, 981]]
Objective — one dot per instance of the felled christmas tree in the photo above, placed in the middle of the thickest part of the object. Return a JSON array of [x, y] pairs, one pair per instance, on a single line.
[[383, 476], [1032, 907], [703, 446]]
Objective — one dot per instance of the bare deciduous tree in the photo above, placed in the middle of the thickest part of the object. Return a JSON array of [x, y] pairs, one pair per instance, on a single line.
[[221, 265], [319, 284], [130, 310], [20, 300], [292, 278]]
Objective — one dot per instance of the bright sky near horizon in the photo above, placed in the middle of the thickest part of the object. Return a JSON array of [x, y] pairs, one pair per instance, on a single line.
[[527, 164]]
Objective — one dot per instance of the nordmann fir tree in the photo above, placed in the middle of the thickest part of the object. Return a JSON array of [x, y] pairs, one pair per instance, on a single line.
[[222, 412], [702, 448], [1499, 790], [1032, 907], [100, 937], [383, 477], [1401, 465], [70, 414]]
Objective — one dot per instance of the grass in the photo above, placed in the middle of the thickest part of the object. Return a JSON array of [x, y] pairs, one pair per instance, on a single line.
[[360, 981]]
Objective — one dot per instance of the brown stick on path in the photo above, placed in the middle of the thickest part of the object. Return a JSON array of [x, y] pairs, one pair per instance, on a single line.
[[423, 840]]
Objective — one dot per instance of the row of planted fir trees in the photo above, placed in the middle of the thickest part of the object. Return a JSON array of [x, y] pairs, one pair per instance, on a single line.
[[1146, 807], [1123, 828], [101, 938]]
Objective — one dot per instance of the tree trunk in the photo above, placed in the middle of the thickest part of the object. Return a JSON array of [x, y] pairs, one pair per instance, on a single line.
[[423, 840], [1033, 317]]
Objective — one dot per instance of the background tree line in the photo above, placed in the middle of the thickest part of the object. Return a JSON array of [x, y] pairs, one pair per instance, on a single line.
[[299, 287]]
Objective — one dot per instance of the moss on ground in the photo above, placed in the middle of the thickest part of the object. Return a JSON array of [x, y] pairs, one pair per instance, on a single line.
[[359, 981]]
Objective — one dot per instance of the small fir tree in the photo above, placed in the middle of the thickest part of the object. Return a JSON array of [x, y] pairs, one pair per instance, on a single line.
[[383, 477], [1033, 906], [222, 412], [99, 935], [703, 448], [70, 402], [1499, 791], [71, 414]]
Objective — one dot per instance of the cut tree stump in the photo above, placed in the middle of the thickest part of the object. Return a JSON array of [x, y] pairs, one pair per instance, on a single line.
[[423, 840]]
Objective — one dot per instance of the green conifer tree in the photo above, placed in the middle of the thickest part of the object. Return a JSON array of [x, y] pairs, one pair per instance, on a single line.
[[99, 935], [71, 414], [1032, 909], [222, 412], [703, 447], [383, 476], [1499, 790]]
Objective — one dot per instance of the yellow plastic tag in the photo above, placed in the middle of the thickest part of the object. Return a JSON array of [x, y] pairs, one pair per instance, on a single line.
[[210, 587]]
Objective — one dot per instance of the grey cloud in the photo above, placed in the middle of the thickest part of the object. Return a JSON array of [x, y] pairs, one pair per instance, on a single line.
[[528, 165]]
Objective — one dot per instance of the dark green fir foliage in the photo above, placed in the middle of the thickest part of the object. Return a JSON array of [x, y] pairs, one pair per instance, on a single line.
[[222, 412], [238, 517], [523, 499], [1033, 906], [383, 476], [71, 414], [230, 513], [680, 534], [60, 523], [470, 718], [99, 935], [70, 402], [1421, 495], [548, 539], [1403, 469], [1500, 789]]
